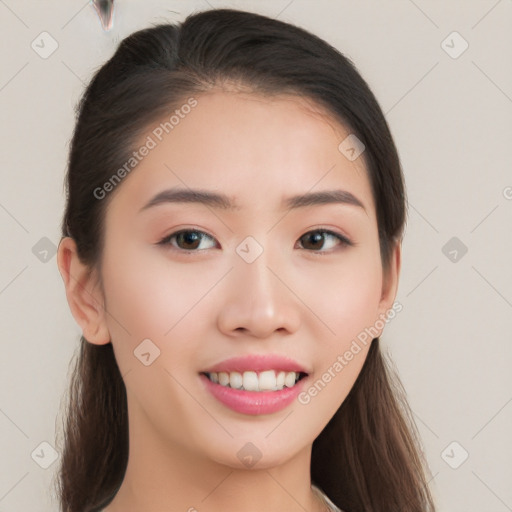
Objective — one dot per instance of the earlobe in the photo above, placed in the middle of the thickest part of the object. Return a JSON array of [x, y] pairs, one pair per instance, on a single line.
[[84, 296]]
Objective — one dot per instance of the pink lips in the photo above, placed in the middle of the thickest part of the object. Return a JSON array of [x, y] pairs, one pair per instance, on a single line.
[[254, 402], [257, 363]]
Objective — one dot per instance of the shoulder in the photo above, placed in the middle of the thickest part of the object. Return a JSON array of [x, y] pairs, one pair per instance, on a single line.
[[328, 502]]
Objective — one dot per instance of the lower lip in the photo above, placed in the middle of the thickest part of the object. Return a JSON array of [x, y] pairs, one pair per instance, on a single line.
[[253, 402]]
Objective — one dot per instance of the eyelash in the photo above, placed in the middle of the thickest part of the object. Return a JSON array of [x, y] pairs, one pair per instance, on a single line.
[[344, 241]]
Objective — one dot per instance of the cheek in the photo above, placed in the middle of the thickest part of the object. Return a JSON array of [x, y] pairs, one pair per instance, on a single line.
[[352, 300], [357, 303], [150, 297], [345, 296], [350, 305]]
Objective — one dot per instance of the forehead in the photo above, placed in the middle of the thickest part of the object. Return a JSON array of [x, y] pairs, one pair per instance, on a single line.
[[255, 148]]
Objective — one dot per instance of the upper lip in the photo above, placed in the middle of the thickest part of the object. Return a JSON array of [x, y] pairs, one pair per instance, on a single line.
[[257, 363]]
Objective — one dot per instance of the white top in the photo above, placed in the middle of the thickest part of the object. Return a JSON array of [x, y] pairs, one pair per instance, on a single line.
[[332, 507]]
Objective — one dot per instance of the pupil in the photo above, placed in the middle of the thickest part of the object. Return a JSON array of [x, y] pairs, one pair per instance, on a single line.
[[189, 237], [316, 237]]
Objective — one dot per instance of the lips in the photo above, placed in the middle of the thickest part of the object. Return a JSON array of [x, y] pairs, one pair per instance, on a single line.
[[257, 363], [273, 382]]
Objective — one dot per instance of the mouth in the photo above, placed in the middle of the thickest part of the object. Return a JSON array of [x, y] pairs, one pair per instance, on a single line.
[[258, 381], [255, 384]]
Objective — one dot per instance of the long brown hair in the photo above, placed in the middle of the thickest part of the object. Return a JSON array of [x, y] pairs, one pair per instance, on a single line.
[[368, 457]]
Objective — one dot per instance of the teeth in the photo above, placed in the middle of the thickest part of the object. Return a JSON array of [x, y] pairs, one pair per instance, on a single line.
[[235, 380], [268, 380]]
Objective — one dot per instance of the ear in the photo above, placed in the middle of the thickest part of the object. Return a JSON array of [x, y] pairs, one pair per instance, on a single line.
[[390, 280], [83, 293]]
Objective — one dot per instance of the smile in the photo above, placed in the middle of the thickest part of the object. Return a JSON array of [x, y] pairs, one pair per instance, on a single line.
[[268, 380]]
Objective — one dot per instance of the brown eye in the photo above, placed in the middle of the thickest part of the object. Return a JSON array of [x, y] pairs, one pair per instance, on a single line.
[[186, 240], [315, 240]]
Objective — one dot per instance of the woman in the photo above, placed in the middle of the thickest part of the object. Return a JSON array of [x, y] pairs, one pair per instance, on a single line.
[[231, 251]]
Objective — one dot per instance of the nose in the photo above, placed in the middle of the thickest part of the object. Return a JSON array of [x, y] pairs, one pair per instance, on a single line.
[[259, 300]]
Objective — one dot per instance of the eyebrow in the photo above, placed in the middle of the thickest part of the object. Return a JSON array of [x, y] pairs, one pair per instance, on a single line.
[[224, 202]]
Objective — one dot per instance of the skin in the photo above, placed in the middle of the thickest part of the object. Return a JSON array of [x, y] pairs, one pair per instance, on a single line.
[[291, 300]]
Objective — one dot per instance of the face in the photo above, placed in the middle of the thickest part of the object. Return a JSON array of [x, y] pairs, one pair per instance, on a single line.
[[203, 283]]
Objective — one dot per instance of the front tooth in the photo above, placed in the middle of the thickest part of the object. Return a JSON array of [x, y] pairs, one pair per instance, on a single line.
[[223, 378], [267, 380], [289, 379], [280, 380], [250, 381], [235, 380]]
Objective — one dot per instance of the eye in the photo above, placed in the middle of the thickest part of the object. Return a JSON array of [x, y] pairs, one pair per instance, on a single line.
[[186, 239], [316, 239]]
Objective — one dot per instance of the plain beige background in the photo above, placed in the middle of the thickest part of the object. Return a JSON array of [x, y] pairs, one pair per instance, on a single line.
[[449, 108]]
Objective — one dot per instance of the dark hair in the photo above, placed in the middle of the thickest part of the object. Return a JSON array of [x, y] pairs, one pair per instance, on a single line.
[[368, 457]]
